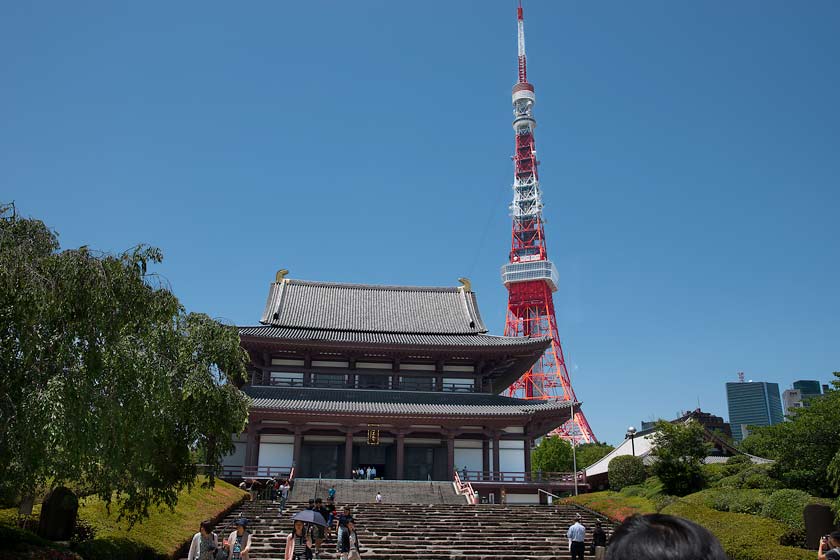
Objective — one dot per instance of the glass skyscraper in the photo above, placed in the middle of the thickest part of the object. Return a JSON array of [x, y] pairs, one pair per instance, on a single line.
[[809, 389], [754, 403]]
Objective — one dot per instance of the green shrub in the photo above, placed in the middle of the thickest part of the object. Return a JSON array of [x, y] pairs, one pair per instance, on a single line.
[[730, 499], [663, 500], [739, 460], [714, 472], [110, 548], [755, 476], [748, 501], [626, 470], [787, 506]]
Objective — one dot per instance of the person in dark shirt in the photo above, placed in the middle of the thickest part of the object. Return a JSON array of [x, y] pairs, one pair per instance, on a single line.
[[320, 532], [599, 541], [331, 516]]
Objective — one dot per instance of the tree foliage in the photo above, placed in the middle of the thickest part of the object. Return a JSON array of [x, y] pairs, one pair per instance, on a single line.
[[108, 383], [591, 453], [806, 448], [679, 450], [553, 454]]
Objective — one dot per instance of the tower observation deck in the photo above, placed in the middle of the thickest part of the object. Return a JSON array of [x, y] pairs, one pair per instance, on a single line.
[[529, 276]]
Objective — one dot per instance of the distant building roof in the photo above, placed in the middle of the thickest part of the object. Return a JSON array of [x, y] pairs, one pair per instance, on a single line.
[[326, 401], [643, 443]]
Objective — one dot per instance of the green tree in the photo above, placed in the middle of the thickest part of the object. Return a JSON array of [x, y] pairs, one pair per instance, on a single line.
[[591, 453], [553, 454], [806, 448], [108, 383], [679, 450]]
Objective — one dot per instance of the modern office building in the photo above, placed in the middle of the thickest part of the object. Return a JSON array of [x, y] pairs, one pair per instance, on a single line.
[[792, 400], [809, 389], [753, 403]]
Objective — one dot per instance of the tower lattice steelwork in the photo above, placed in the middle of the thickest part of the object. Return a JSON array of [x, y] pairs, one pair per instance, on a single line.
[[530, 277]]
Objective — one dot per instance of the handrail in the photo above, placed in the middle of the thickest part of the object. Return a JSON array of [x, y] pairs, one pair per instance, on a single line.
[[462, 488], [556, 497]]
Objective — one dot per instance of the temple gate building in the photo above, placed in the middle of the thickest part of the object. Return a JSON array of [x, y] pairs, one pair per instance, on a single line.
[[405, 379]]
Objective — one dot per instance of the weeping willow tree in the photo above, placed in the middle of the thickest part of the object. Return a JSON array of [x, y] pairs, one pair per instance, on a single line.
[[108, 384]]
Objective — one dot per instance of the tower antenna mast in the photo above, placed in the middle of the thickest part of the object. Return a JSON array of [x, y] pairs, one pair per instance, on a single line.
[[530, 278]]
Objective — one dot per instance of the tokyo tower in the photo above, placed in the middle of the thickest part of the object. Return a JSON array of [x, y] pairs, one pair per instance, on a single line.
[[530, 278]]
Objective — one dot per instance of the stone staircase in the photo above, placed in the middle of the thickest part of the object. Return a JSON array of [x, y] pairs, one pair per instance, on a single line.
[[364, 491], [427, 531]]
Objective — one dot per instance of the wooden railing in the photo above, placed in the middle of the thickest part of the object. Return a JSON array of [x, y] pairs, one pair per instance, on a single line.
[[404, 385], [529, 477], [254, 471]]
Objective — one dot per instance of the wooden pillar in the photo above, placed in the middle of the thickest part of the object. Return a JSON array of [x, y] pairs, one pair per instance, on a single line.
[[251, 444], [528, 442], [400, 456], [496, 459], [450, 454], [296, 452], [485, 455], [348, 454]]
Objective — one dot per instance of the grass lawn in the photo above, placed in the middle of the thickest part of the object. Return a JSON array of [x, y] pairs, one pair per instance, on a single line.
[[613, 504], [165, 531]]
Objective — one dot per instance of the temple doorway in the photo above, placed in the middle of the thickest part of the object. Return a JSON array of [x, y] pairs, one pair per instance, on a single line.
[[319, 459]]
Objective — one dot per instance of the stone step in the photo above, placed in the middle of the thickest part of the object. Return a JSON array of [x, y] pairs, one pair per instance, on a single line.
[[426, 531]]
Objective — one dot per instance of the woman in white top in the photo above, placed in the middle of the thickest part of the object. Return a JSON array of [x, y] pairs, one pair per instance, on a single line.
[[239, 542], [204, 543]]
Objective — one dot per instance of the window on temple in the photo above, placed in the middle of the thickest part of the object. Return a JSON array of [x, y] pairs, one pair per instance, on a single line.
[[367, 381], [329, 380], [286, 379]]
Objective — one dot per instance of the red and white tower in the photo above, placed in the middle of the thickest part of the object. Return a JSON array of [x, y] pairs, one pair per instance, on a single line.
[[529, 276]]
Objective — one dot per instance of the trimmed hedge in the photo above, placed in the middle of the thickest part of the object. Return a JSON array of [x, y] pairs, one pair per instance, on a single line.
[[750, 501], [626, 470], [125, 549], [756, 476], [744, 537], [787, 506], [27, 544]]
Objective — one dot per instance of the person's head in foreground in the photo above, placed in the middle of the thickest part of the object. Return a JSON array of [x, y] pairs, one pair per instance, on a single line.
[[299, 527], [241, 525], [663, 537]]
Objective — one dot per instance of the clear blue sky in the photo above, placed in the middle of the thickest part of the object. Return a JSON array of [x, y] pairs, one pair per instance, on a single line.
[[689, 165]]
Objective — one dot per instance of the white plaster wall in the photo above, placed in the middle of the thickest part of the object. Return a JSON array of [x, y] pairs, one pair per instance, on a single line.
[[511, 456], [276, 454], [469, 457]]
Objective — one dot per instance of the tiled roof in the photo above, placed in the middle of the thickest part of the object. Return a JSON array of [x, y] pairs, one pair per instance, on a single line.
[[362, 308], [395, 402], [426, 340]]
